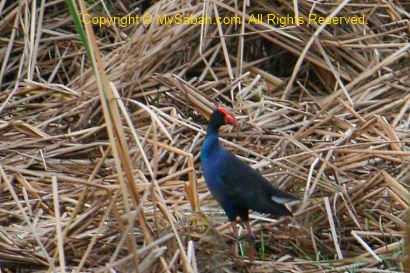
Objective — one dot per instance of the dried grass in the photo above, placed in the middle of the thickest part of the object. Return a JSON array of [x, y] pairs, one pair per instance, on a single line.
[[101, 184]]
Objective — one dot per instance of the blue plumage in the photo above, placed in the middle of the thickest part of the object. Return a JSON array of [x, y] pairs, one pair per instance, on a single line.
[[234, 184]]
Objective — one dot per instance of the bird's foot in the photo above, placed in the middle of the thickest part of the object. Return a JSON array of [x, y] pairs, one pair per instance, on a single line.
[[251, 249], [237, 247], [234, 246], [251, 252], [252, 239]]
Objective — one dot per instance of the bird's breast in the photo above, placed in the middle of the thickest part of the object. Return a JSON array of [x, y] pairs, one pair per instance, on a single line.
[[211, 164]]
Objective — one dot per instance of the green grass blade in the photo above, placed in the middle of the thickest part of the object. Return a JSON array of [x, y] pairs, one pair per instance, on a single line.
[[75, 14]]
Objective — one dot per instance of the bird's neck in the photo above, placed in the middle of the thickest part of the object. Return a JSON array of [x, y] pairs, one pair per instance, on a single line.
[[211, 141]]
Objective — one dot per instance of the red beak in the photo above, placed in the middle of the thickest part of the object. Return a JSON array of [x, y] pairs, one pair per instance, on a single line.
[[229, 119]]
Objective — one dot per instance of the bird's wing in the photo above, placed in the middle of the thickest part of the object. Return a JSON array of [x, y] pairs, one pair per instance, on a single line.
[[252, 188]]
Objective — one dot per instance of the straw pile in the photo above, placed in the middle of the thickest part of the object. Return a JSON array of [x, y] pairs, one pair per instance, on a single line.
[[324, 113]]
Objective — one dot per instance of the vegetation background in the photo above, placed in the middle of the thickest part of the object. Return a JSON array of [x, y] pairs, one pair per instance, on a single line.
[[101, 128]]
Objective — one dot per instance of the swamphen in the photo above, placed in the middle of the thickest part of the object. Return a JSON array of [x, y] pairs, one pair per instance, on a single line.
[[234, 184]]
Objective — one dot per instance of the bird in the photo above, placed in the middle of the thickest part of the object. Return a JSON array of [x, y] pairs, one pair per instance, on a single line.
[[236, 186]]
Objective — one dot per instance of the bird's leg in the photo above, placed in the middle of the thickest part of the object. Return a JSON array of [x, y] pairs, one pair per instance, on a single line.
[[251, 236], [252, 241], [236, 235]]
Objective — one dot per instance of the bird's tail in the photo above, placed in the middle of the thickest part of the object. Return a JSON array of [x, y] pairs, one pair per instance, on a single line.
[[286, 200], [283, 198]]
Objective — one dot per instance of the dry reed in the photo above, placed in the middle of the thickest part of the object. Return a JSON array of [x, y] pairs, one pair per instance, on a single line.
[[89, 187]]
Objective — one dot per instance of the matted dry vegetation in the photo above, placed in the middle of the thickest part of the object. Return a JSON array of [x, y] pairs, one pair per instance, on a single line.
[[324, 114]]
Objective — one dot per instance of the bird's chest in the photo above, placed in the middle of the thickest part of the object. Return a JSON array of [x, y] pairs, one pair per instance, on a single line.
[[212, 166]]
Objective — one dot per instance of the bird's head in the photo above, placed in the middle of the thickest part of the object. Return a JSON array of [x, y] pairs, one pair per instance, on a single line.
[[221, 116]]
